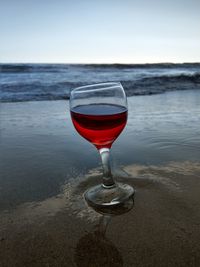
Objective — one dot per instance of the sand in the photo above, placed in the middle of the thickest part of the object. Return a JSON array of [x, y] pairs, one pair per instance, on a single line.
[[44, 218]]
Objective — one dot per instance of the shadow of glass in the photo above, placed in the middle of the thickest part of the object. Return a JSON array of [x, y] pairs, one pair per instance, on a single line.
[[94, 249]]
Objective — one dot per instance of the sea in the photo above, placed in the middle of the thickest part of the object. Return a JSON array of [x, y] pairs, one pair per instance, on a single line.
[[36, 82]]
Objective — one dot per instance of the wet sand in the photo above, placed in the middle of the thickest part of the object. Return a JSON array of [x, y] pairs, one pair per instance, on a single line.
[[46, 167]]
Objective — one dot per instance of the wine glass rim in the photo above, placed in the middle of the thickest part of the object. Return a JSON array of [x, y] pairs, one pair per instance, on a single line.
[[105, 86]]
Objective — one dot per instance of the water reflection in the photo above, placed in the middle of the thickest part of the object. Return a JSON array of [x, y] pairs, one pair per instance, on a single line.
[[95, 249]]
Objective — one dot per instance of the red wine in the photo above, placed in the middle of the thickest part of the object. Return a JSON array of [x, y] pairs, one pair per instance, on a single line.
[[100, 124]]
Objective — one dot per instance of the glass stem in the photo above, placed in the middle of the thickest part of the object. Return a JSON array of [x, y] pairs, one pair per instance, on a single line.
[[108, 181]]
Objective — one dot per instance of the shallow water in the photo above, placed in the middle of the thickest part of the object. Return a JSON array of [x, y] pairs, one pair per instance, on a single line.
[[41, 151], [165, 127]]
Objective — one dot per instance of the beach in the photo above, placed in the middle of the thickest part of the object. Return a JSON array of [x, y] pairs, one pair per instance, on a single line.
[[46, 167]]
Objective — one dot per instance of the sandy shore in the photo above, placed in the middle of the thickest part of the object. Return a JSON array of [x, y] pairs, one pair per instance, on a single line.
[[46, 167]]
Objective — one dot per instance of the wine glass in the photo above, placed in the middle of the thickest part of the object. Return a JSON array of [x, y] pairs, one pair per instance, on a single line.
[[99, 114]]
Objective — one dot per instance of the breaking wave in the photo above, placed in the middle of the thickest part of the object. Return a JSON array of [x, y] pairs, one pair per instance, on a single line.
[[34, 82]]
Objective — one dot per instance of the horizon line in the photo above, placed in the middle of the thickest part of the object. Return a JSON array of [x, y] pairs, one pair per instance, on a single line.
[[102, 63]]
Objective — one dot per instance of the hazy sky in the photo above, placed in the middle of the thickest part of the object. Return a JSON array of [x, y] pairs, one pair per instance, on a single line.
[[100, 31]]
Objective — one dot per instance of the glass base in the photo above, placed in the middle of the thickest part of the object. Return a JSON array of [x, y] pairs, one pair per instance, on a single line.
[[107, 197]]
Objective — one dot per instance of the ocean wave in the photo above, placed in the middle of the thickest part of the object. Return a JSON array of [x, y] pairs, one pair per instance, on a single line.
[[161, 84], [23, 68], [145, 86], [144, 66], [37, 91], [194, 77], [40, 86], [14, 68]]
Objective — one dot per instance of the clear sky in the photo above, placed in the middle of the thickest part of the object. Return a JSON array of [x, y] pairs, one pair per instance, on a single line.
[[100, 31]]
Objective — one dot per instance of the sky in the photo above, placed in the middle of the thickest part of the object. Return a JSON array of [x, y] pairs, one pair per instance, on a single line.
[[99, 31]]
